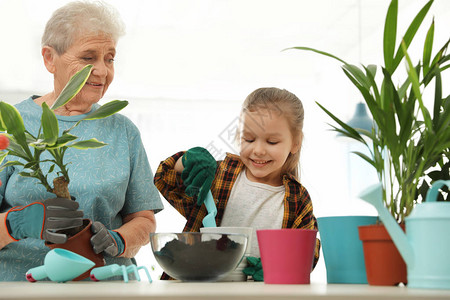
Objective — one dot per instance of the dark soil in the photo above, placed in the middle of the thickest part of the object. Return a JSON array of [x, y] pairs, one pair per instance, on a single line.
[[202, 261]]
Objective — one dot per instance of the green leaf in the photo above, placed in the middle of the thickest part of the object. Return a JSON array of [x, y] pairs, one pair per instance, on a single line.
[[317, 51], [12, 163], [390, 102], [444, 118], [404, 88], [16, 150], [365, 92], [87, 144], [28, 174], [410, 33], [437, 65], [73, 87], [416, 88], [3, 155], [372, 69], [13, 122], [428, 47], [49, 125], [351, 131], [370, 160], [389, 36], [30, 138], [440, 53], [63, 141], [358, 75], [437, 100], [2, 125], [30, 165], [107, 110]]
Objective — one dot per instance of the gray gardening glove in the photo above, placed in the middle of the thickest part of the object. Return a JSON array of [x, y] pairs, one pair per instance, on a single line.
[[108, 241], [44, 220]]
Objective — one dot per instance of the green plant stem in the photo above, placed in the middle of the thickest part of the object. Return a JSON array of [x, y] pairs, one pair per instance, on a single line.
[[43, 180], [58, 154]]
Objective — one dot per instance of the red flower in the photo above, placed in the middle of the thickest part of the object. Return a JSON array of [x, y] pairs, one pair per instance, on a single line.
[[4, 142]]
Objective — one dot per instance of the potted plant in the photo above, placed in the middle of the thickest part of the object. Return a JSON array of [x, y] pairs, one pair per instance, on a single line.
[[25, 150], [408, 141]]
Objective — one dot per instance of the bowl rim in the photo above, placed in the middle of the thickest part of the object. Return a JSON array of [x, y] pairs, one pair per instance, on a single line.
[[198, 233]]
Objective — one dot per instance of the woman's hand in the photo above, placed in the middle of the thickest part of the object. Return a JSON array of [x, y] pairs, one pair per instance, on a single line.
[[136, 231], [108, 241], [43, 220]]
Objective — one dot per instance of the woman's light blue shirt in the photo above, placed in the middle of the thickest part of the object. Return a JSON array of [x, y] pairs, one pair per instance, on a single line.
[[108, 182]]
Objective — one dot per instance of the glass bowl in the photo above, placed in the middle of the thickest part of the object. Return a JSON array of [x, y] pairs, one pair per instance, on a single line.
[[197, 256]]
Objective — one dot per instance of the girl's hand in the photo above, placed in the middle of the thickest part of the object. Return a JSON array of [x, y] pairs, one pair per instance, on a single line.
[[198, 174]]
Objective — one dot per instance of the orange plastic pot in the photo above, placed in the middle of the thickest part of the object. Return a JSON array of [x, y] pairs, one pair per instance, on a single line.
[[81, 244], [384, 264]]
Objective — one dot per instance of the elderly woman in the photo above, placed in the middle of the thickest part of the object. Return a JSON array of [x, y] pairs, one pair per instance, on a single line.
[[113, 185]]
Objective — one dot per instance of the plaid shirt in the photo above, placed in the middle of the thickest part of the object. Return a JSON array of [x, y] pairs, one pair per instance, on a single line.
[[298, 210]]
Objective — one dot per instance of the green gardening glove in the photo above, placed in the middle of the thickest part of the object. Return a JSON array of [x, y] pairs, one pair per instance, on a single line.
[[254, 268], [198, 173]]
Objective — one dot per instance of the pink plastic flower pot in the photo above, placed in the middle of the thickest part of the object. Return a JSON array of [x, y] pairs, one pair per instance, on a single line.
[[287, 255]]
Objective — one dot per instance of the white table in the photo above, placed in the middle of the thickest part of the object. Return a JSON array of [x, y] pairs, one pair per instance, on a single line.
[[216, 291]]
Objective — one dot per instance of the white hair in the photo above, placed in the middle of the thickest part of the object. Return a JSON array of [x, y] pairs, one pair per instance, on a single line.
[[81, 18]]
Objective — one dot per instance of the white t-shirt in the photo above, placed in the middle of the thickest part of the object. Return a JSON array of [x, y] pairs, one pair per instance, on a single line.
[[256, 205]]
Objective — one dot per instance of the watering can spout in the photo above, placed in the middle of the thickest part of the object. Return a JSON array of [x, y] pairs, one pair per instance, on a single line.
[[374, 196]]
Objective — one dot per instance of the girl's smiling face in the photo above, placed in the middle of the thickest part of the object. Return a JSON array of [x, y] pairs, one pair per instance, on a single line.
[[265, 143]]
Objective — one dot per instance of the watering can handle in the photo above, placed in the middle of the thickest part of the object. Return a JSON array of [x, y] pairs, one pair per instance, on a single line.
[[434, 190]]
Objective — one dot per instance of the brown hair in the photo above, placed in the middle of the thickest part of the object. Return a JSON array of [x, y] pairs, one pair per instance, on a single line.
[[282, 102]]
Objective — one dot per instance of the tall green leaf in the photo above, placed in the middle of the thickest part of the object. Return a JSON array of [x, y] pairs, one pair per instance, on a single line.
[[410, 33], [371, 71], [106, 110], [427, 48], [317, 51], [440, 53], [390, 98], [72, 87], [437, 101], [390, 35], [49, 125], [416, 88]]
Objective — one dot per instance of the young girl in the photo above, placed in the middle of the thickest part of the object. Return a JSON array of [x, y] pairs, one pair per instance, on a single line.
[[260, 188]]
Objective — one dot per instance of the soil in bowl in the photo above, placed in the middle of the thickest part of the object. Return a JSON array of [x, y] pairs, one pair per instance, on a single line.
[[200, 261]]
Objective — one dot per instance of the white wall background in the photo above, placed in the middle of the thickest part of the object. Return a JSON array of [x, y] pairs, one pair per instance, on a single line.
[[186, 67]]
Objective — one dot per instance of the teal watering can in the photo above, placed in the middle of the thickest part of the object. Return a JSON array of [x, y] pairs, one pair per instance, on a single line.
[[426, 244]]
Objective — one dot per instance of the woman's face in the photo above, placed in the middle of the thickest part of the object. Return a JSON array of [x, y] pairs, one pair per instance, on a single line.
[[97, 50]]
